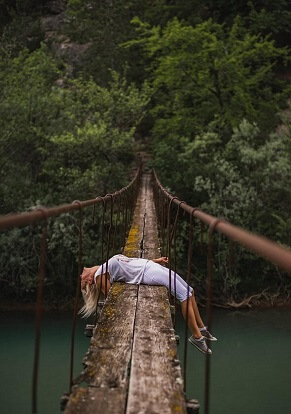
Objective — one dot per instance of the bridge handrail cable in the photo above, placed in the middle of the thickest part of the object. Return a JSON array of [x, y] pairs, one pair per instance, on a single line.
[[23, 219], [41, 214], [262, 246]]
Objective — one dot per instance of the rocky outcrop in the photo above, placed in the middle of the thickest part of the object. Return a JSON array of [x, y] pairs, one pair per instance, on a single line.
[[53, 26], [55, 6]]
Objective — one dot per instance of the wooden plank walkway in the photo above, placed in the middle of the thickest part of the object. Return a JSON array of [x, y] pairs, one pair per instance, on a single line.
[[131, 366]]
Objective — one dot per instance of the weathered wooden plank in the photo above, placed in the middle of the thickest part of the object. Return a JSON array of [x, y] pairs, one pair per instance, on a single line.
[[108, 358], [135, 236], [110, 348], [155, 383], [96, 401], [132, 248], [151, 244]]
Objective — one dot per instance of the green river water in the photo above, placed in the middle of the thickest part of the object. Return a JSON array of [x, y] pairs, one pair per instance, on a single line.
[[250, 365]]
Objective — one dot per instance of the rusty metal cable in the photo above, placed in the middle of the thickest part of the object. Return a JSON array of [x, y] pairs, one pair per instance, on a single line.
[[271, 251], [125, 213], [78, 291], [169, 243], [38, 316], [102, 260], [209, 290], [24, 219], [262, 246], [174, 238], [28, 218], [117, 217], [163, 221], [189, 258], [169, 249], [108, 241]]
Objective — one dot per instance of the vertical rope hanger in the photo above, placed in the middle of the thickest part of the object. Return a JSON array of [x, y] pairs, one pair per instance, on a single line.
[[27, 218], [102, 258], [174, 238], [169, 243], [189, 257], [209, 291], [38, 316], [117, 218], [189, 271], [162, 227], [78, 291], [108, 240], [125, 213], [169, 249]]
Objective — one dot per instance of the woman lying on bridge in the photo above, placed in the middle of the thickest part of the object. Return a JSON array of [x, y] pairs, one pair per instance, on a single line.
[[148, 272]]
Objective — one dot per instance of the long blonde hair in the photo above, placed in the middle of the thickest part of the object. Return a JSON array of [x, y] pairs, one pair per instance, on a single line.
[[90, 295]]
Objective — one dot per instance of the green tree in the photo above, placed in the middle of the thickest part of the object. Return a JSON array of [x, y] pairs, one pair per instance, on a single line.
[[216, 99], [247, 182], [103, 25], [206, 75], [61, 139], [28, 108], [55, 138], [264, 17], [90, 158]]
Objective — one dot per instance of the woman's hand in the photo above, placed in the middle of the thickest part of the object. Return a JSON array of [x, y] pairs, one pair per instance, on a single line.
[[161, 260], [87, 276]]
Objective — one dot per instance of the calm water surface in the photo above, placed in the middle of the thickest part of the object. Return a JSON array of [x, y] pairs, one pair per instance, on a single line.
[[250, 365], [16, 360]]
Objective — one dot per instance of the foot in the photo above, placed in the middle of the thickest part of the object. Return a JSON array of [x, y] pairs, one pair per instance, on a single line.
[[207, 334], [200, 344]]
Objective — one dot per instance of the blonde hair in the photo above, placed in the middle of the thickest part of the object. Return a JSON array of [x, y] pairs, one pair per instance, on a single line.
[[90, 295]]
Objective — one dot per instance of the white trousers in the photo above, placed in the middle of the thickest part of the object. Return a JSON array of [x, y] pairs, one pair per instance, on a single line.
[[156, 274]]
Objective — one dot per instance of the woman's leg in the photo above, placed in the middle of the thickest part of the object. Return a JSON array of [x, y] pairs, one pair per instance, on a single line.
[[199, 321], [158, 275], [191, 319], [196, 312]]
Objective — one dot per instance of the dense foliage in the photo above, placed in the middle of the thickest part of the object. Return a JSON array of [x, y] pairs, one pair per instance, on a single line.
[[216, 102], [76, 79], [60, 143], [61, 139]]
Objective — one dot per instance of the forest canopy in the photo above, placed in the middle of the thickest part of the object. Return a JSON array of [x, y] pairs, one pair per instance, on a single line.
[[204, 85]]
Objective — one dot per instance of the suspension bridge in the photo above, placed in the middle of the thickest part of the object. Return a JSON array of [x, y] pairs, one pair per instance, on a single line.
[[132, 365]]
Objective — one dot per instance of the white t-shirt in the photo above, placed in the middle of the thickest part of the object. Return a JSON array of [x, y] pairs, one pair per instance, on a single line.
[[124, 269]]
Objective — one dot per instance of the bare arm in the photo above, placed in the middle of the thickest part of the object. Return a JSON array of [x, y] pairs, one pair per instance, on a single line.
[[87, 276], [161, 260]]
